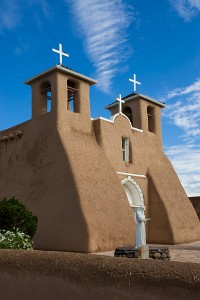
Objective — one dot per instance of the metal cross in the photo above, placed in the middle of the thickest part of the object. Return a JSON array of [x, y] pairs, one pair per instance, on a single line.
[[60, 52], [120, 103], [134, 82]]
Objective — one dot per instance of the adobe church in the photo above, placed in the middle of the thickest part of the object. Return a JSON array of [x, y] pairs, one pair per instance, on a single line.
[[86, 178]]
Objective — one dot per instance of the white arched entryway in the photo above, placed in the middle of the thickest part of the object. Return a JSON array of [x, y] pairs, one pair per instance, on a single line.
[[136, 201], [133, 193]]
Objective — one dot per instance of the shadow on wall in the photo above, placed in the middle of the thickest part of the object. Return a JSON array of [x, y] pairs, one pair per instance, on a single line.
[[63, 225], [196, 204], [159, 229], [41, 175]]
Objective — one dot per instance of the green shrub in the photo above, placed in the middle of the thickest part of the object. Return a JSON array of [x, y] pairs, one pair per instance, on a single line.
[[15, 216], [15, 240]]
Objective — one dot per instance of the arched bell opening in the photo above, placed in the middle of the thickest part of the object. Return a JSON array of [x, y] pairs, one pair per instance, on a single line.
[[45, 98], [128, 112], [151, 119], [72, 97]]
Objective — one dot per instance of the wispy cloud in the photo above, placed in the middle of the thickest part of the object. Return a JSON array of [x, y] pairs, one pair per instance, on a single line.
[[186, 9], [185, 159], [10, 14], [21, 49], [104, 26], [41, 6], [185, 110]]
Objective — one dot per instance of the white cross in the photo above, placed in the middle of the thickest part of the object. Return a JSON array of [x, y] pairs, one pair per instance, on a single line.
[[134, 82], [60, 52], [120, 103]]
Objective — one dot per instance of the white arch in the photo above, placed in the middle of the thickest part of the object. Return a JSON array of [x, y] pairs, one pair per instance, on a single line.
[[121, 114], [133, 193], [136, 200]]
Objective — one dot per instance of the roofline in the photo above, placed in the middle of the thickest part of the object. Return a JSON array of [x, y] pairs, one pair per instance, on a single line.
[[64, 70], [113, 120], [128, 99]]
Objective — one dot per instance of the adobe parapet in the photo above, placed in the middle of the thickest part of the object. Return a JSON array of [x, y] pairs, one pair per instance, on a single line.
[[143, 112], [112, 121]]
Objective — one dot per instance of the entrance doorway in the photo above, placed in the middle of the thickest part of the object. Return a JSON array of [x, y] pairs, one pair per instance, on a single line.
[[136, 201]]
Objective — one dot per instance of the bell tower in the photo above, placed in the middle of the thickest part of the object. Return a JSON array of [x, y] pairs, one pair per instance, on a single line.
[[60, 91], [143, 112]]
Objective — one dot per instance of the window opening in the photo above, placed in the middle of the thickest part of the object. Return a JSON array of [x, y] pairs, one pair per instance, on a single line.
[[71, 96], [125, 149], [150, 115], [128, 112], [47, 93]]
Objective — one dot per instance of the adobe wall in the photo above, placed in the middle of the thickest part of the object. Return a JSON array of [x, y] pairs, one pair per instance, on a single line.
[[196, 204], [139, 107], [57, 169], [55, 275], [173, 219]]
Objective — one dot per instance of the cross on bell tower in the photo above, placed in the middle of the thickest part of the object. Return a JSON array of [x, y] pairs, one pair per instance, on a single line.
[[60, 52], [135, 82], [120, 103]]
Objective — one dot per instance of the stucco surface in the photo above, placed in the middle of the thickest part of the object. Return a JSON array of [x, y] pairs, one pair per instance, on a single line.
[[196, 204], [64, 168], [173, 219], [58, 170], [55, 275], [65, 183]]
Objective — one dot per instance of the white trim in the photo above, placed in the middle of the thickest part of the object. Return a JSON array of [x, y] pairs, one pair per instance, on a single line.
[[129, 182], [137, 129], [121, 114], [113, 120], [134, 175], [101, 118]]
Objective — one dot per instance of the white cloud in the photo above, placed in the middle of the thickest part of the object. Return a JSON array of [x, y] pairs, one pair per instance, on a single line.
[[10, 14], [103, 26], [185, 159], [185, 110], [186, 9], [195, 87], [21, 49], [13, 11], [41, 6]]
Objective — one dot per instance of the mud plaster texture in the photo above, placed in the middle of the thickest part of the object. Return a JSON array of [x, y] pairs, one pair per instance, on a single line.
[[196, 204], [64, 168], [31, 275]]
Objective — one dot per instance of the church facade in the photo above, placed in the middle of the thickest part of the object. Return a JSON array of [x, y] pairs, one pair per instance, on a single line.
[[86, 178]]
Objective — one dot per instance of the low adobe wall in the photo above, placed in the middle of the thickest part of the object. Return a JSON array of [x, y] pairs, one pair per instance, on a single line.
[[58, 275], [196, 204]]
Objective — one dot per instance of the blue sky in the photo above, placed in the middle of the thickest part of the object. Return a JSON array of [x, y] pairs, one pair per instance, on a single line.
[[110, 41]]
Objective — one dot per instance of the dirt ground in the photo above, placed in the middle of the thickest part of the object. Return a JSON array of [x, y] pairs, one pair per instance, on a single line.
[[182, 252], [185, 252], [50, 275]]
